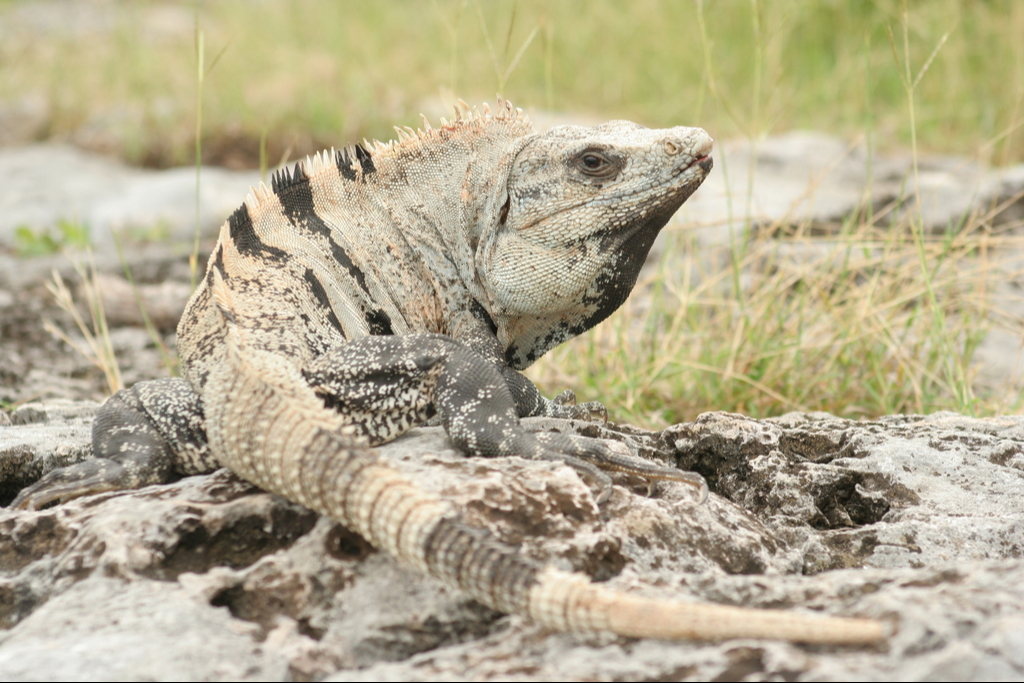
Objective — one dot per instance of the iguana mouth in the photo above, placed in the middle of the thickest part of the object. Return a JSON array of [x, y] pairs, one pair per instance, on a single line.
[[702, 158], [670, 186]]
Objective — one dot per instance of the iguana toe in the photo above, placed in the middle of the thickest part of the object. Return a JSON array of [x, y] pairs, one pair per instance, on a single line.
[[97, 475], [603, 456], [564, 406]]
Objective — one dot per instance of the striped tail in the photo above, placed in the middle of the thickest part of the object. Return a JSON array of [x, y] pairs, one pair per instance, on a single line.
[[265, 424]]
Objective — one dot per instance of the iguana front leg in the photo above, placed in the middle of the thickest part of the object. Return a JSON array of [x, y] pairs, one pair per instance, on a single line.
[[529, 402], [141, 436], [387, 384]]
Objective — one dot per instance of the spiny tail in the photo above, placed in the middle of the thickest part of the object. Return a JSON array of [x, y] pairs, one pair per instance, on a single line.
[[264, 423]]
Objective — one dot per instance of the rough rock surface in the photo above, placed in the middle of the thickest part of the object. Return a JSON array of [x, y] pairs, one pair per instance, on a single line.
[[47, 184], [48, 435], [912, 519]]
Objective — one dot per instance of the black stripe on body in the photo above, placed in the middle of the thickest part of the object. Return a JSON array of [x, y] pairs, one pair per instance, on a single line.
[[320, 294], [247, 242], [343, 158], [218, 262], [296, 197], [365, 160], [480, 313], [379, 322], [283, 178]]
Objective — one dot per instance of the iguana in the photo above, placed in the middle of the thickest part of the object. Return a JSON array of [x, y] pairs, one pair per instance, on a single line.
[[367, 290]]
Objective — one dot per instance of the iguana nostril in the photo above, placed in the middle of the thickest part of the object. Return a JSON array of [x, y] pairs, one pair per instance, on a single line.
[[672, 148]]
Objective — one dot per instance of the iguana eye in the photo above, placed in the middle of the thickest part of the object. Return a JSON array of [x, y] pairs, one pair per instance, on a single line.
[[596, 164]]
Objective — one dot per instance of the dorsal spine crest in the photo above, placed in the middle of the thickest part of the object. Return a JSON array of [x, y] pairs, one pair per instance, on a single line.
[[283, 178]]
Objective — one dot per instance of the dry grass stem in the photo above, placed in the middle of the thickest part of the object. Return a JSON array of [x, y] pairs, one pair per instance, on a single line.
[[97, 347]]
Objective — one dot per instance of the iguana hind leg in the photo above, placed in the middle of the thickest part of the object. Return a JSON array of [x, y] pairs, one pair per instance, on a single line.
[[143, 435]]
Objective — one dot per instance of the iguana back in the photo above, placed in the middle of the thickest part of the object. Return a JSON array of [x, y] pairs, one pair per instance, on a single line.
[[370, 240]]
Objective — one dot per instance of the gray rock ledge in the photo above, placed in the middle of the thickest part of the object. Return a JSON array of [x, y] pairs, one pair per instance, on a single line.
[[918, 520]]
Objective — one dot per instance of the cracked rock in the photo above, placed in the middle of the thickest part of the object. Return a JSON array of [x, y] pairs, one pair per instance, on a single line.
[[911, 519]]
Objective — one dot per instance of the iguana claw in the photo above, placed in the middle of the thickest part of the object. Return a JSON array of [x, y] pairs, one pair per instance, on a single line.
[[564, 406]]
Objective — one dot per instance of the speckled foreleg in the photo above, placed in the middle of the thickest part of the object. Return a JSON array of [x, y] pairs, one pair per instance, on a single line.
[[381, 386], [384, 385], [480, 414], [529, 402], [141, 436]]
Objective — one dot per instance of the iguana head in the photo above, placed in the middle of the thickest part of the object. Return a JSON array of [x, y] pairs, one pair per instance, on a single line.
[[584, 206]]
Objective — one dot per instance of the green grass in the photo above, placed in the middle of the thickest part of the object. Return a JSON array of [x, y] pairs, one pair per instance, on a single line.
[[876, 318], [29, 241], [850, 327]]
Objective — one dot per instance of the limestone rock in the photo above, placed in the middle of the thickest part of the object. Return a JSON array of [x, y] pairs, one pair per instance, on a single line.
[[911, 519], [47, 184], [39, 437]]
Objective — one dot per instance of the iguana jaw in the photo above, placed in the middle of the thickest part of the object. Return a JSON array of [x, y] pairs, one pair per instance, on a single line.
[[573, 242]]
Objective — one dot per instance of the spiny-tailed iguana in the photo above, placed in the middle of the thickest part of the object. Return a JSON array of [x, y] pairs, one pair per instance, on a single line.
[[368, 289]]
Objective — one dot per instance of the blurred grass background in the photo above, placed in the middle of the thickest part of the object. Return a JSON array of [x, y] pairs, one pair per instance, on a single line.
[[886, 319], [309, 73]]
